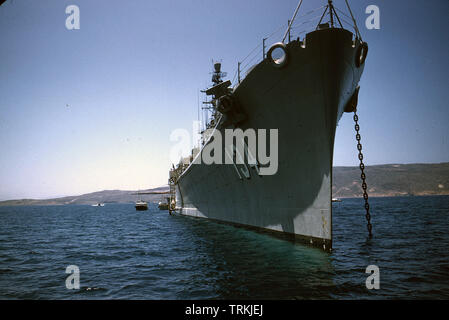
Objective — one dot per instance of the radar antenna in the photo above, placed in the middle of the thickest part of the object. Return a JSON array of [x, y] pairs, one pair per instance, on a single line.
[[217, 75]]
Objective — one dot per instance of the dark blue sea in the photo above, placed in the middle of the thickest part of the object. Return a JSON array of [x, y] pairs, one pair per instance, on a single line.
[[124, 254]]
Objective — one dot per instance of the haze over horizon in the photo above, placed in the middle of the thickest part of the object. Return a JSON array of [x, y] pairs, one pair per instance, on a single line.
[[92, 109]]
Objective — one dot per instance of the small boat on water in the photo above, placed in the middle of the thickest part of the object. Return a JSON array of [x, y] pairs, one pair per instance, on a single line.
[[336, 200], [98, 204], [141, 205], [163, 205]]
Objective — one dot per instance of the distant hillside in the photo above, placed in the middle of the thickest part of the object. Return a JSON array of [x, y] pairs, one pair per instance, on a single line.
[[382, 180], [392, 180], [106, 196]]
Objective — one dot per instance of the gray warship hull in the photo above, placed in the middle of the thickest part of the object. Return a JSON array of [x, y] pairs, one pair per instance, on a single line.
[[304, 100]]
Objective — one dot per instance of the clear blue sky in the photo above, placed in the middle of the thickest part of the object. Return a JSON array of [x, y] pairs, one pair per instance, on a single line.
[[131, 74]]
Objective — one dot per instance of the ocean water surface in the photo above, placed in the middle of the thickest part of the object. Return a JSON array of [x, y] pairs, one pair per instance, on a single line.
[[124, 254]]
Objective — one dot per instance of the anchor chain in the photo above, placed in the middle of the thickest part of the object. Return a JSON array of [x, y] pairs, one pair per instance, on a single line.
[[362, 175]]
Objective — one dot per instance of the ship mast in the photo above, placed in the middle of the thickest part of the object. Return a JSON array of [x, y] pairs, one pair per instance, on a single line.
[[332, 14], [331, 8], [290, 22], [215, 91]]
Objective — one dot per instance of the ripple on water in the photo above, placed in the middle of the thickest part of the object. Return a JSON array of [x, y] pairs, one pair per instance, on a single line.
[[123, 254]]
